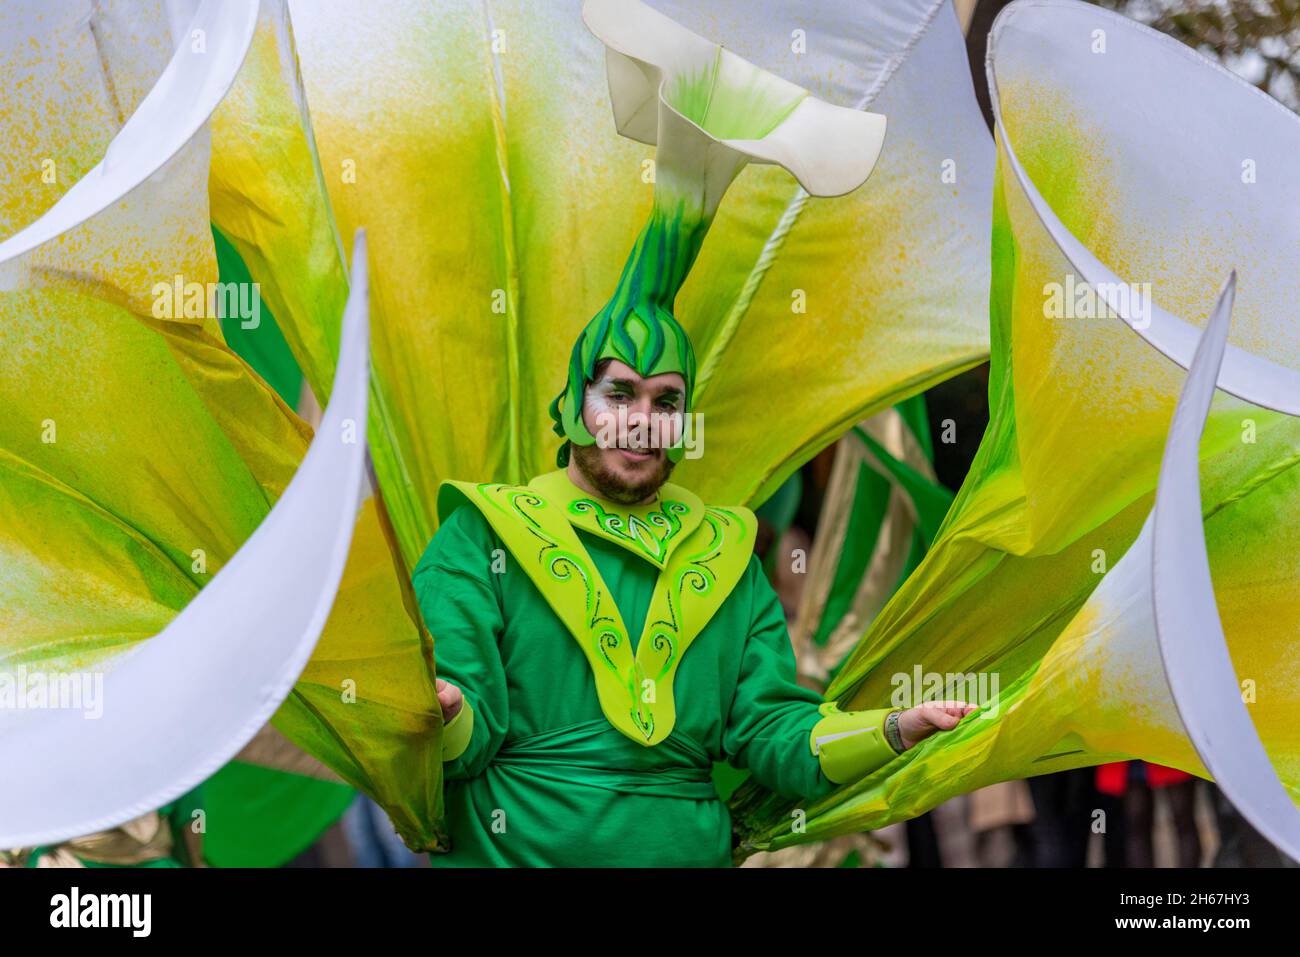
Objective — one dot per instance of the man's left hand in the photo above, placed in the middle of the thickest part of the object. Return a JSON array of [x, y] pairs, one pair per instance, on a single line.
[[917, 724]]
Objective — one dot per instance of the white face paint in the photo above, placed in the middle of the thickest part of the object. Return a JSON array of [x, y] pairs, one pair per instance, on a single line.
[[599, 402]]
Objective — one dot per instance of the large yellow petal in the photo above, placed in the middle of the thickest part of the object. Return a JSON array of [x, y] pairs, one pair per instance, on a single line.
[[140, 455], [481, 155]]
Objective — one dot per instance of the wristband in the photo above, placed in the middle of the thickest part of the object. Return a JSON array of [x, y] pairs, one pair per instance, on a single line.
[[849, 744], [892, 734], [457, 732]]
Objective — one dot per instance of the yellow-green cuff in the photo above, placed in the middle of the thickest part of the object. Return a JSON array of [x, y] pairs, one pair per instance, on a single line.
[[457, 732], [850, 744]]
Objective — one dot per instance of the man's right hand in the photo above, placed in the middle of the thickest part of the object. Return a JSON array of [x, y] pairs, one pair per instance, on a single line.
[[450, 699]]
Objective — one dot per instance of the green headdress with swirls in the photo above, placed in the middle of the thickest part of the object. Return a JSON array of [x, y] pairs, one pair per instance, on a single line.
[[637, 325]]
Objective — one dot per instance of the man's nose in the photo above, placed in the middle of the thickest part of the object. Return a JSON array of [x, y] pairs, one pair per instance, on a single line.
[[639, 410]]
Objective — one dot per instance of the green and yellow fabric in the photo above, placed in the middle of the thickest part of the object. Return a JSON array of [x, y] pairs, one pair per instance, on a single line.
[[140, 452], [257, 815], [253, 816], [1025, 578], [496, 119], [609, 655]]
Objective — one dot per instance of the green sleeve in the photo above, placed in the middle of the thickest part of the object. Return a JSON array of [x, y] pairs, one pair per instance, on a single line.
[[794, 743], [771, 715], [460, 599]]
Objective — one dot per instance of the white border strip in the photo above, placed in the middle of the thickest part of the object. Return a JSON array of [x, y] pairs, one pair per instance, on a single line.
[[1188, 629]]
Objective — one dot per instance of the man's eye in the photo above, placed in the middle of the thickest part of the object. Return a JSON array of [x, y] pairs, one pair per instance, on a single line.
[[668, 405], [618, 395]]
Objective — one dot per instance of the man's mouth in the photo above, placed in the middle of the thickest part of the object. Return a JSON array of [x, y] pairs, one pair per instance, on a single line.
[[634, 455]]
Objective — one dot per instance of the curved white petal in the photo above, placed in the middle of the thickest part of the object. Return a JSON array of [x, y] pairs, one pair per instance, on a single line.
[[194, 82], [1190, 633], [182, 704], [1132, 70], [830, 150]]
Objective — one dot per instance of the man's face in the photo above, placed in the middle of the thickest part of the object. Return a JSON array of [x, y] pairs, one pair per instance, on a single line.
[[634, 420]]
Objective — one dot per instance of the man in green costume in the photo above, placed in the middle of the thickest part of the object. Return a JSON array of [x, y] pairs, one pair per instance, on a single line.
[[604, 636]]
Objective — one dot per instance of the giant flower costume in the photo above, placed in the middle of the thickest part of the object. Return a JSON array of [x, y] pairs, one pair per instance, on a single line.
[[142, 453]]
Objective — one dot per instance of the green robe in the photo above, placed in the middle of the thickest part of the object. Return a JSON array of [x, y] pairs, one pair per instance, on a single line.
[[545, 779]]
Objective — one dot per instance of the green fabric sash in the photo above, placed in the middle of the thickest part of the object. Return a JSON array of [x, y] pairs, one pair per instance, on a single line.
[[585, 754]]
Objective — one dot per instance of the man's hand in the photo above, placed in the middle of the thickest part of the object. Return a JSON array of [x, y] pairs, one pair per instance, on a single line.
[[449, 699], [917, 724]]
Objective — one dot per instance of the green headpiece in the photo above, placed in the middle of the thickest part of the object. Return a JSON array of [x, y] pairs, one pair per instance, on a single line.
[[637, 325]]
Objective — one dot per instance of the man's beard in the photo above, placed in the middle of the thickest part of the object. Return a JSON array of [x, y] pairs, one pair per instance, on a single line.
[[613, 486]]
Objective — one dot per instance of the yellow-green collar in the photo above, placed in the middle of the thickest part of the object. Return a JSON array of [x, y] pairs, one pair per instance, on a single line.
[[651, 530]]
